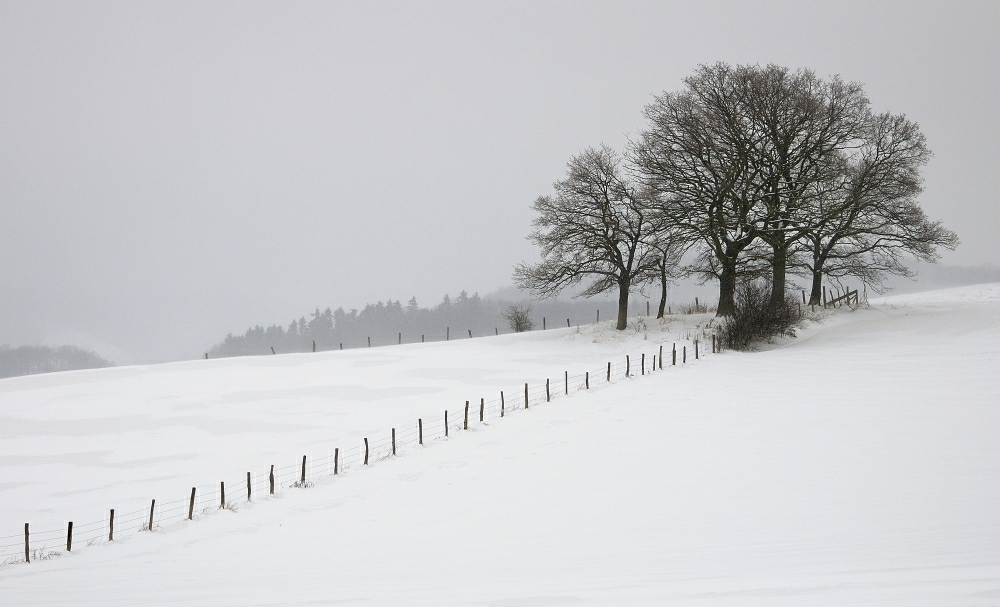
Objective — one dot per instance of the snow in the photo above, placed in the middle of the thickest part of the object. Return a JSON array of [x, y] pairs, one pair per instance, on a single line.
[[855, 464]]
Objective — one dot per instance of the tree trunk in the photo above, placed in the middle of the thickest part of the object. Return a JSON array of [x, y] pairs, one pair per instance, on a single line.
[[727, 290], [663, 292], [778, 262], [816, 295], [623, 289]]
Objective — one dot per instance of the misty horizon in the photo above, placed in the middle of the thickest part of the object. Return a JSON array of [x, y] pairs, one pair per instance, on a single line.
[[173, 172]]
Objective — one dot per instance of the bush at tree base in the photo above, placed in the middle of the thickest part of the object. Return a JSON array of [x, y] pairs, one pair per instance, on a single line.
[[755, 319]]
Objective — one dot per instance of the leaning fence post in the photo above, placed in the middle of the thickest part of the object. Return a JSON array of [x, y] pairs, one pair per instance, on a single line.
[[420, 431], [547, 396], [525, 396], [482, 409], [69, 537], [303, 480], [248, 487], [271, 479], [151, 508], [366, 450], [465, 424], [191, 505], [111, 526], [394, 441], [27, 545]]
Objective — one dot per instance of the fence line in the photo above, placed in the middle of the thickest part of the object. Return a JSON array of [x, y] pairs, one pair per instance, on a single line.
[[204, 500]]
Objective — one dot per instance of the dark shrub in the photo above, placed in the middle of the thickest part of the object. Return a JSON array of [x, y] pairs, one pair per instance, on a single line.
[[756, 320]]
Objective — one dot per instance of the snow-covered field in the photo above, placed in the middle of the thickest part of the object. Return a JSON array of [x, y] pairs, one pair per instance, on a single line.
[[858, 464]]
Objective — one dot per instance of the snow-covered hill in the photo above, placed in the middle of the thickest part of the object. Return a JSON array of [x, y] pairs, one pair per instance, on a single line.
[[856, 464]]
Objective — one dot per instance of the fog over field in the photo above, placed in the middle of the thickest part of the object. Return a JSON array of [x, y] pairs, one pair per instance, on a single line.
[[171, 172]]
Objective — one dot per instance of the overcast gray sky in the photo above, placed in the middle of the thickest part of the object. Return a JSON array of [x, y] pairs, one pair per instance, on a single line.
[[171, 172]]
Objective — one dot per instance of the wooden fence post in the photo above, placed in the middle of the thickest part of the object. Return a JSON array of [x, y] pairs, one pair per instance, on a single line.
[[586, 379], [653, 368], [696, 349], [465, 424], [421, 338], [642, 367], [394, 441], [336, 461], [470, 333], [399, 339], [222, 494], [271, 479], [661, 357], [191, 504], [369, 341], [447, 333], [272, 350], [151, 507], [420, 431], [543, 323], [366, 450], [674, 360], [446, 423], [501, 403], [547, 396], [111, 527], [249, 493], [628, 365], [482, 409], [609, 372], [69, 537], [647, 308], [567, 323], [27, 545], [525, 396], [598, 315], [341, 345], [303, 479], [314, 345], [685, 359], [566, 380]]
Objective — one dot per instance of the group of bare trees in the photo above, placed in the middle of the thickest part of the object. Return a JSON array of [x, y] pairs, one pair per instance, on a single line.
[[747, 172]]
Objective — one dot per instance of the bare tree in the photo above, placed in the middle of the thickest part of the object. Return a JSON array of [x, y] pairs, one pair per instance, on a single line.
[[802, 126], [696, 156], [867, 222], [595, 227], [518, 317]]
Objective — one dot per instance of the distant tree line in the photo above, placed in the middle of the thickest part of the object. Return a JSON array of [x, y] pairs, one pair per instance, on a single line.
[[29, 360], [388, 323], [746, 173]]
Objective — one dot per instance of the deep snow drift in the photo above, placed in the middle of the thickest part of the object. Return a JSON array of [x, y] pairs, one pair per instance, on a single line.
[[856, 464]]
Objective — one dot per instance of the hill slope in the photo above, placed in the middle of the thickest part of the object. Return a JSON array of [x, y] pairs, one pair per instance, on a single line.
[[857, 464]]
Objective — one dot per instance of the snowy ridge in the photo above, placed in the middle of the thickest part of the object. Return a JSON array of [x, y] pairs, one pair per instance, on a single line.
[[856, 464]]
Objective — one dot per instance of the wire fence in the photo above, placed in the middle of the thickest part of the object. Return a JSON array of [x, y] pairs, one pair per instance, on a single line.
[[203, 500]]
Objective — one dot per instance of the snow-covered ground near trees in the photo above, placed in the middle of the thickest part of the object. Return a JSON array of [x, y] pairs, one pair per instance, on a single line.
[[857, 464]]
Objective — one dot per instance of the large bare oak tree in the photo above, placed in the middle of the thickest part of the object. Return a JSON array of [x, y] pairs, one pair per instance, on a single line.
[[596, 227]]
